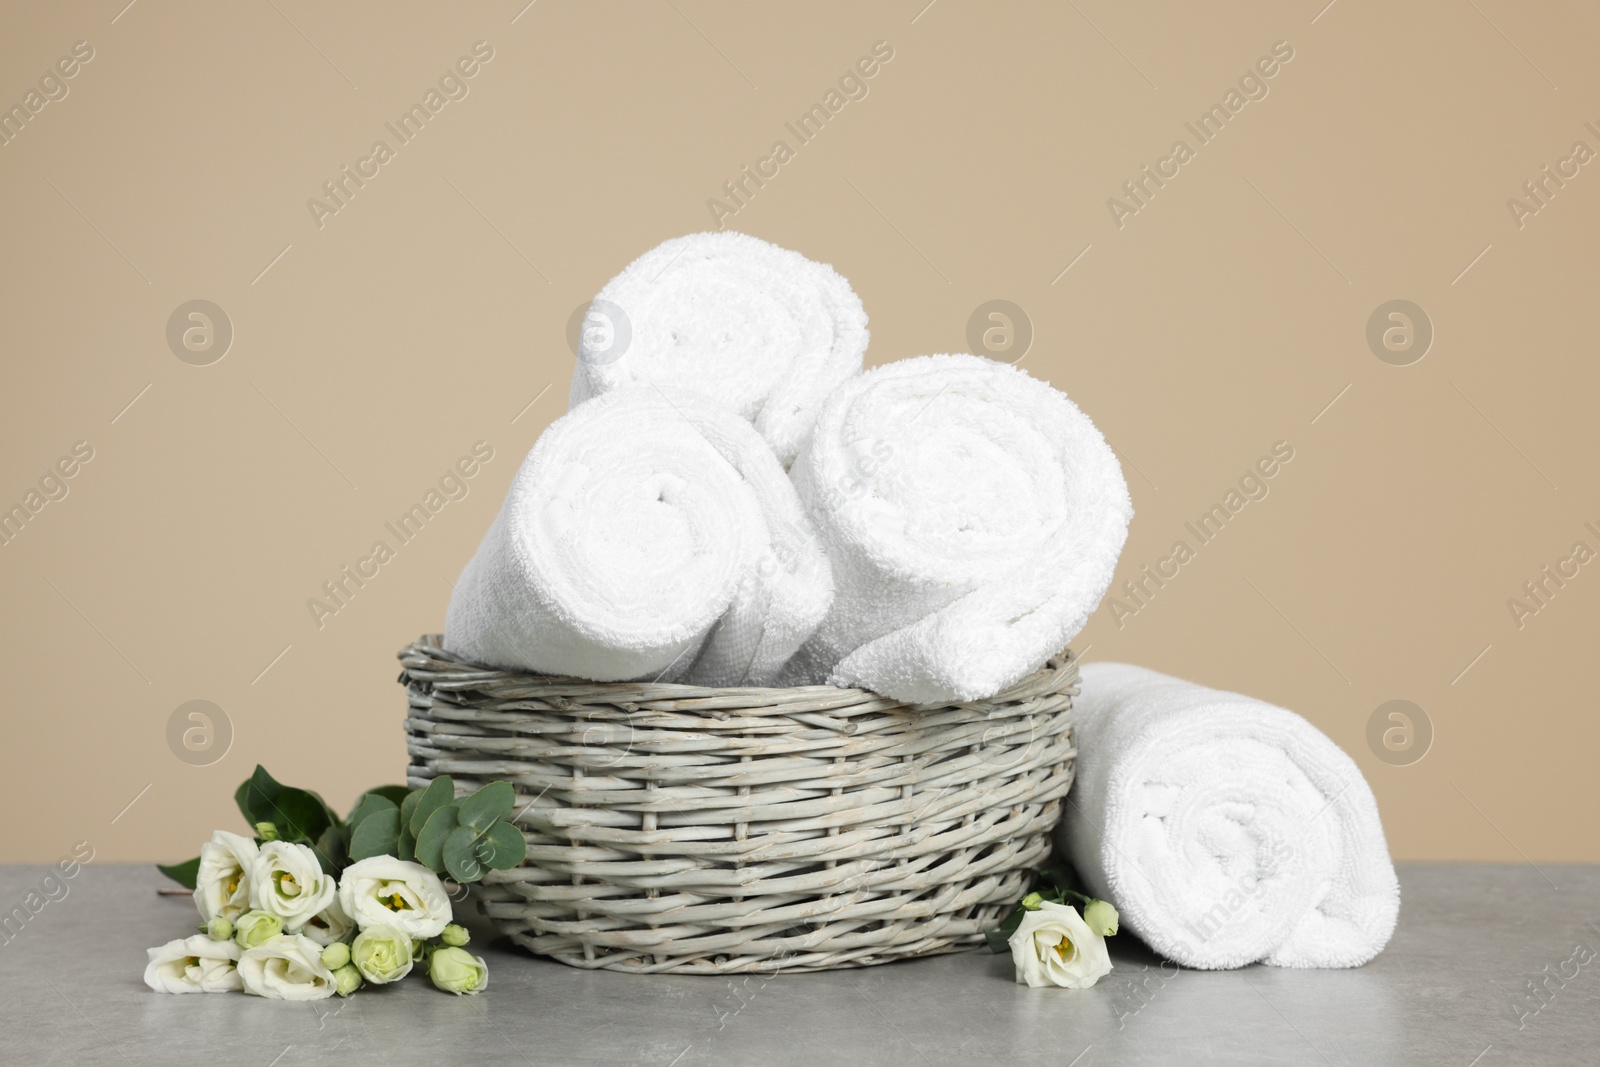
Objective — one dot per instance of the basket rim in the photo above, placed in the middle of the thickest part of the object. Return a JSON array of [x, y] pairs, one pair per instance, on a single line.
[[432, 645]]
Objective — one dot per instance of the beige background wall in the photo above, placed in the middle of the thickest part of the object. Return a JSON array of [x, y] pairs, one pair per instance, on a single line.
[[429, 313]]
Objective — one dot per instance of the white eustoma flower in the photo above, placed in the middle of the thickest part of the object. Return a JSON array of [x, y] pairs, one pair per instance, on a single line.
[[382, 954], [386, 891], [222, 885], [287, 881], [286, 968], [455, 970], [1101, 917], [1055, 947], [330, 924], [193, 965], [256, 928]]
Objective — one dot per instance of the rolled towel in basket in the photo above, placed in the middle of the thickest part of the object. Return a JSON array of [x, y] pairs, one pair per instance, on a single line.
[[1224, 829], [762, 330], [648, 534], [973, 516]]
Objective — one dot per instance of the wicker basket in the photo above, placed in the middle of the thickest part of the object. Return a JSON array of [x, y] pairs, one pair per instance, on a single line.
[[713, 831]]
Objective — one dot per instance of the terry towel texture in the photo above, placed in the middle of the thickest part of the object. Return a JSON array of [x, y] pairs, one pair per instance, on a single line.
[[650, 533], [1225, 830], [973, 516], [764, 331]]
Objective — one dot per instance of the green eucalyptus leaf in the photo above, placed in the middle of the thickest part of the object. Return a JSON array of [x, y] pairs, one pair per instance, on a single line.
[[406, 847], [369, 804], [183, 873], [998, 942], [429, 849], [394, 794], [377, 834], [490, 803], [440, 791], [460, 855], [408, 808], [502, 847]]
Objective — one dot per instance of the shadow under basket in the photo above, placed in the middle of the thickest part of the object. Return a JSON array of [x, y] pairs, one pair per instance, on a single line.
[[674, 828]]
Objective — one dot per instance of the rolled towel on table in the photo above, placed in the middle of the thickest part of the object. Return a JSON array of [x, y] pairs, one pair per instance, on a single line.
[[648, 534], [973, 516], [1225, 830], [762, 330]]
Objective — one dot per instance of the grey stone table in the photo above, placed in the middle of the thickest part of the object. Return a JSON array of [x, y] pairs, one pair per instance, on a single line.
[[1455, 988]]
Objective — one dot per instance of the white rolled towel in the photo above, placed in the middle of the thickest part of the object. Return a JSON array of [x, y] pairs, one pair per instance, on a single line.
[[973, 516], [1225, 830], [648, 534], [762, 330]]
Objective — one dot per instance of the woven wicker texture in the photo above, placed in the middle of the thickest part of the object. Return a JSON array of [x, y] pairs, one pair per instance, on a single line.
[[713, 831]]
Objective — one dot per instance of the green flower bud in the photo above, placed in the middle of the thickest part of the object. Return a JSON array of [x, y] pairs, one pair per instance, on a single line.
[[267, 831], [455, 970], [1032, 901], [1101, 917], [219, 929], [455, 936], [346, 979], [336, 955], [256, 928], [382, 954]]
